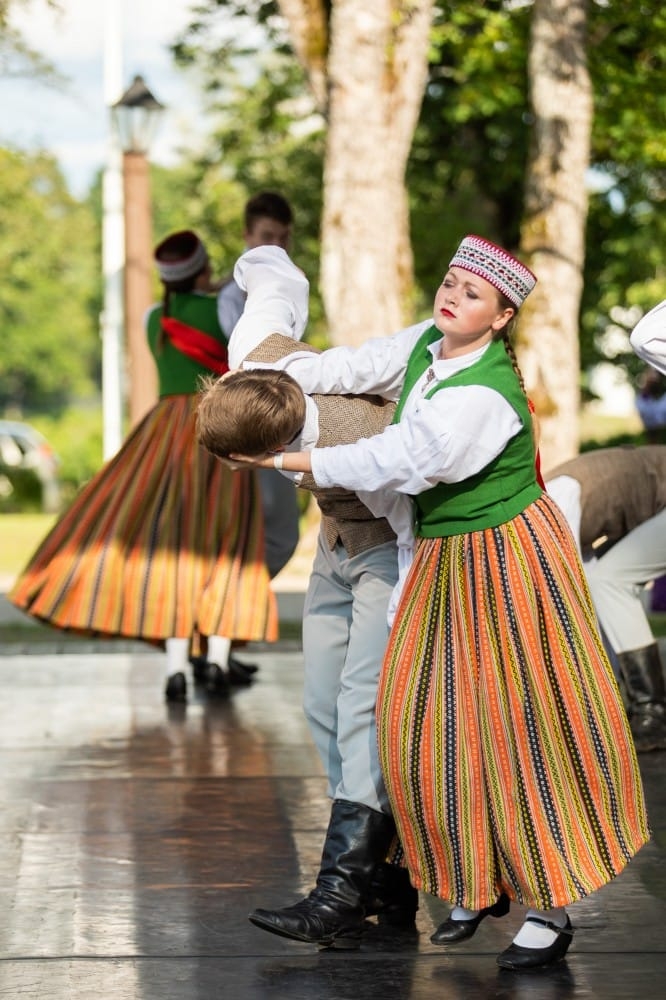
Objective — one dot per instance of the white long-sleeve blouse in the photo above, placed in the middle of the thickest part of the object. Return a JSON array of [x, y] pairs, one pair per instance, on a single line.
[[648, 338], [447, 438]]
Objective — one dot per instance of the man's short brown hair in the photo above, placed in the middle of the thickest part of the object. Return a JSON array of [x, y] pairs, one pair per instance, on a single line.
[[268, 205], [249, 412]]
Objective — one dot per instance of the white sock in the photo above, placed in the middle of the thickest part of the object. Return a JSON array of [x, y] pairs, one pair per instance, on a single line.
[[460, 913], [534, 935], [218, 650], [177, 651]]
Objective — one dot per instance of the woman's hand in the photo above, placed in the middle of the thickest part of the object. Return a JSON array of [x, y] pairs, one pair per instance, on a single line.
[[253, 461], [229, 463], [286, 461]]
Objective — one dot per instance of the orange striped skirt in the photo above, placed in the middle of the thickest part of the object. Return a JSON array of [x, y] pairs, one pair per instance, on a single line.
[[502, 734], [164, 541]]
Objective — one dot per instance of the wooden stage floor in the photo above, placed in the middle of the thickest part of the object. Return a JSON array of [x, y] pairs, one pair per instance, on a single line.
[[135, 839]]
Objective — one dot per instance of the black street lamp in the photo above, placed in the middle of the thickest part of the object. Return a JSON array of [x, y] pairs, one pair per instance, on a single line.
[[137, 115]]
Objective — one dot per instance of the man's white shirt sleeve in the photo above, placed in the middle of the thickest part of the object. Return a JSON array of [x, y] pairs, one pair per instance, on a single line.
[[648, 338], [277, 301], [378, 366]]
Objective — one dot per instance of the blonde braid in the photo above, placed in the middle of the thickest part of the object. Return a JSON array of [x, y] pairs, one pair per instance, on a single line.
[[508, 347]]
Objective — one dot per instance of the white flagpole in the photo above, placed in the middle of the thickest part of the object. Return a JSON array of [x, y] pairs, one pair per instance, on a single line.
[[113, 241]]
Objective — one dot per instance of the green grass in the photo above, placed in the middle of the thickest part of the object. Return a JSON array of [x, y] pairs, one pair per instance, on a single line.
[[601, 426], [34, 633], [20, 534]]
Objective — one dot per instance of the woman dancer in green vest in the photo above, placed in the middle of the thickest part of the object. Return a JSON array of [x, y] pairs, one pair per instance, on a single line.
[[164, 544], [509, 764]]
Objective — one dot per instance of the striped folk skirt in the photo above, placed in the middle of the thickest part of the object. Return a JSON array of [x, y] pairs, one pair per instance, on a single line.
[[163, 542], [503, 738]]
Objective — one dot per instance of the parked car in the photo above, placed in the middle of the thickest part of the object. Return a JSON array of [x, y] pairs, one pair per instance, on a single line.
[[29, 469]]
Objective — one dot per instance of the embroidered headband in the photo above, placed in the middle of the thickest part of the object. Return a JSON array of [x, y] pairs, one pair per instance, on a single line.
[[180, 256], [501, 269]]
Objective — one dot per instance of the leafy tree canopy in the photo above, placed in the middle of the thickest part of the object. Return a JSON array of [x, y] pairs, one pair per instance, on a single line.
[[50, 337]]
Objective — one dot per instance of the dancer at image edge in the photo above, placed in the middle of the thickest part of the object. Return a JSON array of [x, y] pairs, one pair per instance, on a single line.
[[615, 502]]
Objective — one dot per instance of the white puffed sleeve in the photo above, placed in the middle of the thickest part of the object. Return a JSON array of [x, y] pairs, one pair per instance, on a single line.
[[277, 300], [648, 338]]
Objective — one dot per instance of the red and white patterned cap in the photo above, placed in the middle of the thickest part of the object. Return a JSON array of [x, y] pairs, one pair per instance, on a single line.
[[500, 268], [180, 256]]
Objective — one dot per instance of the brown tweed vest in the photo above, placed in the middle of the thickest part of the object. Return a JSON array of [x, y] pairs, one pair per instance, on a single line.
[[621, 487], [342, 420]]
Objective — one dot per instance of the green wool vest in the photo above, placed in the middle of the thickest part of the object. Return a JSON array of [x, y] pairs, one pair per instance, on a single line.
[[177, 373], [506, 486]]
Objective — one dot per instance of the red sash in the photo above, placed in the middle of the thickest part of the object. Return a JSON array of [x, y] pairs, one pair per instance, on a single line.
[[196, 344]]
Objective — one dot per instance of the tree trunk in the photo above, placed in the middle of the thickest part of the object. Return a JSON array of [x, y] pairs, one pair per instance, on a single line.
[[308, 30], [553, 231], [376, 74]]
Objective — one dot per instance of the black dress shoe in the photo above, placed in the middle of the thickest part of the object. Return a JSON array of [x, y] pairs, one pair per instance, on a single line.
[[217, 682], [246, 669], [176, 687], [459, 930], [517, 958], [240, 673], [199, 668]]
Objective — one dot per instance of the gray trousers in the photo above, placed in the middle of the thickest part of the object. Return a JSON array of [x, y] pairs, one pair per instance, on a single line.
[[344, 639], [281, 515], [617, 579]]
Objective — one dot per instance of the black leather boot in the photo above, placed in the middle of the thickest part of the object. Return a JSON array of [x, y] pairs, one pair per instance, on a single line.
[[332, 915], [643, 678], [391, 896]]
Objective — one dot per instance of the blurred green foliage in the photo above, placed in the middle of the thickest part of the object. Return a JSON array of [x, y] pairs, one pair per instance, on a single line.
[[25, 493], [50, 283], [75, 434]]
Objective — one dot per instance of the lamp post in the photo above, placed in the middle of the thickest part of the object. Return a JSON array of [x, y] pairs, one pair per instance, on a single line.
[[136, 116]]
